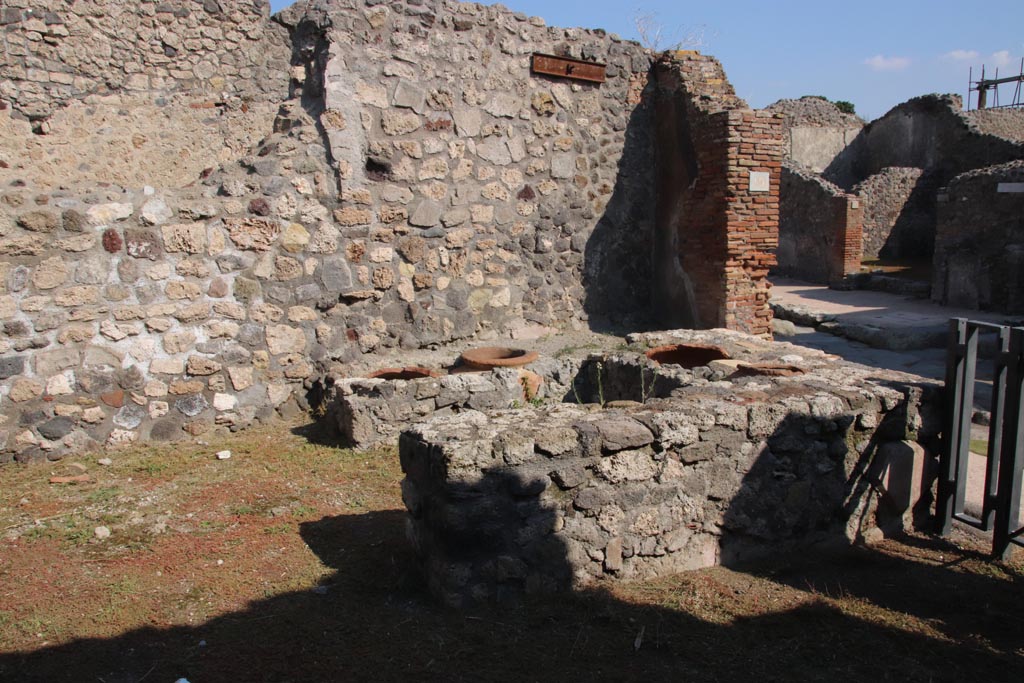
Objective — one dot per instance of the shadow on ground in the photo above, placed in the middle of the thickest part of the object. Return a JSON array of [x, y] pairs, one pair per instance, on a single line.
[[372, 620]]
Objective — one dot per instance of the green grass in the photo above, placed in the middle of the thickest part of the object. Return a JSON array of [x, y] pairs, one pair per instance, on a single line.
[[152, 467], [305, 511], [38, 533], [103, 495], [78, 533]]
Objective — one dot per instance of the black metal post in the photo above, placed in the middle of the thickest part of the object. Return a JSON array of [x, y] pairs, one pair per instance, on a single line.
[[1011, 459], [944, 505], [995, 429]]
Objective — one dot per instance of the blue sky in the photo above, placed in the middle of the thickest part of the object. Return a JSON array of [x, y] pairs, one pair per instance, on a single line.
[[872, 53]]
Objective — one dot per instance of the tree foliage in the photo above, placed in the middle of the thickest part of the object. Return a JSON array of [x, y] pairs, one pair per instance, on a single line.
[[845, 107]]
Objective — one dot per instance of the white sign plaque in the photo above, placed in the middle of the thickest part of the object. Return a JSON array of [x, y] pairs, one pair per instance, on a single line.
[[760, 181], [1010, 187]]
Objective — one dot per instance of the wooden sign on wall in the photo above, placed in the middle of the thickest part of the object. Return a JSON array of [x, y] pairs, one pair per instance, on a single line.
[[566, 67]]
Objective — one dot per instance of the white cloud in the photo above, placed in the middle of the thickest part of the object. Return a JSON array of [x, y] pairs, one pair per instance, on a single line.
[[962, 55], [1001, 59], [880, 63]]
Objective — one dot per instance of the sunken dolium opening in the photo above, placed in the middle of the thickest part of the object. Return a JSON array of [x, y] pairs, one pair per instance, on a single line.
[[687, 355], [412, 372]]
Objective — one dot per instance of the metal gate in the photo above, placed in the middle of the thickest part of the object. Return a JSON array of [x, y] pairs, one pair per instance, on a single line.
[[1001, 504]]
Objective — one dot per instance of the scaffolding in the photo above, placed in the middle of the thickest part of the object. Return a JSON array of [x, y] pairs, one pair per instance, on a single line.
[[984, 86]]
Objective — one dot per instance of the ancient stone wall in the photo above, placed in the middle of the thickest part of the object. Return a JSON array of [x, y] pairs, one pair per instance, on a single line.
[[979, 246], [1003, 123], [716, 228], [142, 314], [135, 93], [532, 190], [422, 187], [532, 502], [896, 166], [899, 213], [55, 52], [536, 190], [815, 132], [820, 229], [929, 132]]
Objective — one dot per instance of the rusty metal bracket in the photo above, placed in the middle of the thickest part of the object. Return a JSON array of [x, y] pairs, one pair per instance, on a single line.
[[566, 67]]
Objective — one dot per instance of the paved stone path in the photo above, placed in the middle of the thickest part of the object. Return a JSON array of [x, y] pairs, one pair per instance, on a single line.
[[879, 319]]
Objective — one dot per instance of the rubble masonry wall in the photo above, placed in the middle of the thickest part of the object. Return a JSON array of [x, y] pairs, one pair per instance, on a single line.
[[726, 469], [417, 186], [420, 187], [135, 93], [979, 247], [899, 213], [820, 228]]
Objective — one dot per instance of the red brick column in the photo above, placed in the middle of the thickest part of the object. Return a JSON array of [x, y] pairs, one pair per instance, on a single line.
[[849, 237], [754, 163], [719, 168]]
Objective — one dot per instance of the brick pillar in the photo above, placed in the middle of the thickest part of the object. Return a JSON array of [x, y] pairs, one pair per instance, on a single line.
[[719, 168], [754, 162], [848, 245]]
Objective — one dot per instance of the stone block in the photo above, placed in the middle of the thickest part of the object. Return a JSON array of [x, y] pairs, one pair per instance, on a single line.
[[11, 366], [285, 339], [24, 389], [468, 121], [48, 363], [494, 150], [191, 406], [144, 244], [426, 215], [189, 238], [167, 366], [39, 221], [399, 123], [104, 214], [252, 234], [409, 96], [563, 166], [155, 211]]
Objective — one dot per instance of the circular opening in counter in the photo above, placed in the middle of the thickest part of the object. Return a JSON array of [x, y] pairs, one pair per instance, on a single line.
[[488, 357], [412, 372], [687, 355]]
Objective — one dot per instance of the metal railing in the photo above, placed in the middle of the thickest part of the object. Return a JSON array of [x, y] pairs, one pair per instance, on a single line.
[[1000, 509]]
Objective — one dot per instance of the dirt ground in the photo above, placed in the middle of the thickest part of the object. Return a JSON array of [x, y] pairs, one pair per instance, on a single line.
[[288, 562]]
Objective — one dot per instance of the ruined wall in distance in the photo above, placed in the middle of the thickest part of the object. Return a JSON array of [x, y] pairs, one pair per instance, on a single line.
[[1003, 123], [815, 132], [979, 246], [899, 213], [929, 132], [896, 165], [820, 229]]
